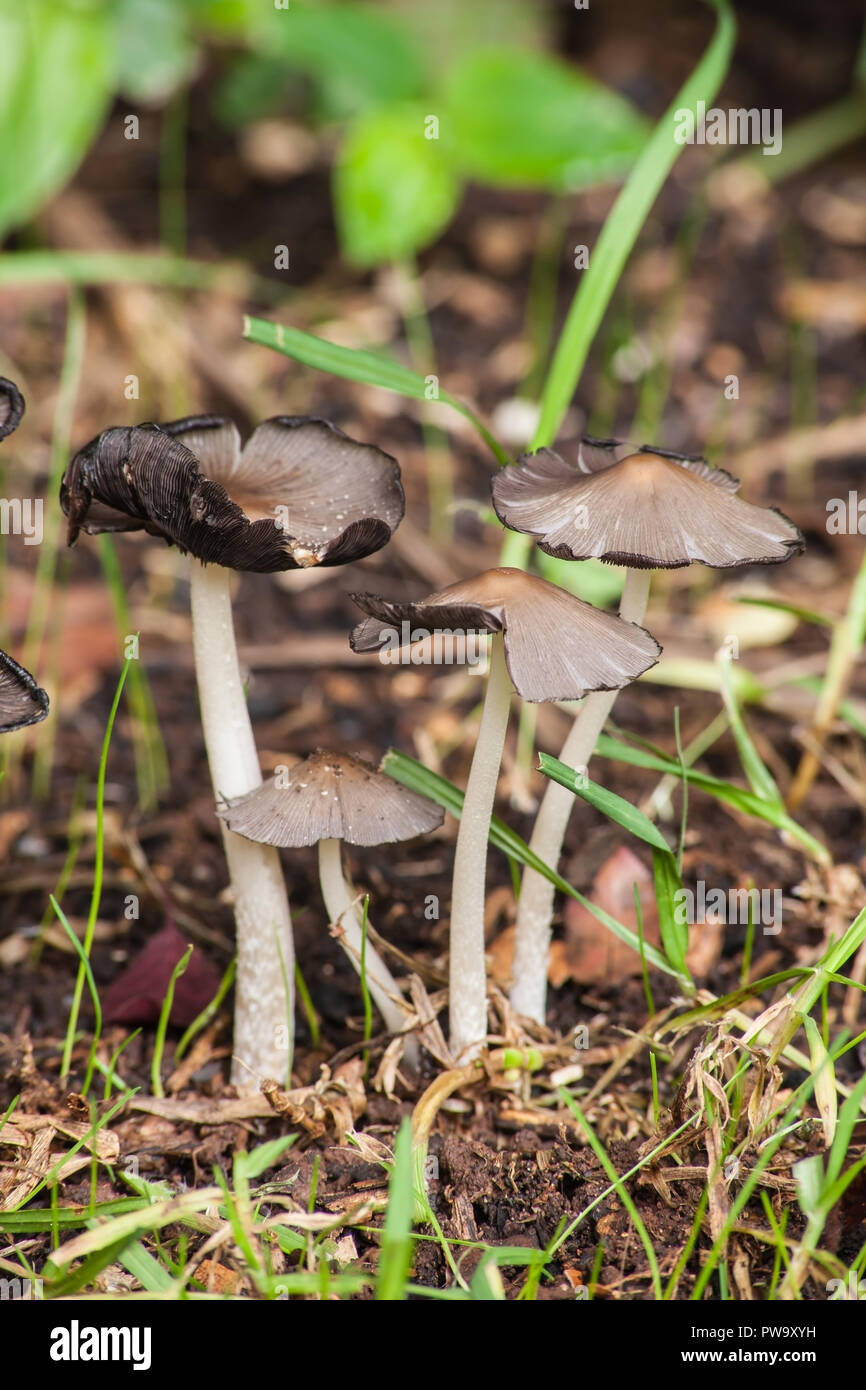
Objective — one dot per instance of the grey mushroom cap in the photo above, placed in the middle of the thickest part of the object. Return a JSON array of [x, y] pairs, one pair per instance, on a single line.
[[11, 407], [299, 493], [330, 796], [22, 701], [647, 509], [556, 646]]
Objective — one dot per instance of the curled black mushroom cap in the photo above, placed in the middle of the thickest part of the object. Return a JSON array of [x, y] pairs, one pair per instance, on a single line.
[[299, 493], [556, 646], [11, 407], [646, 508], [330, 796], [22, 701]]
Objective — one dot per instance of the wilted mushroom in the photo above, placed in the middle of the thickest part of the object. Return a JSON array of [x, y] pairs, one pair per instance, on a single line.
[[22, 701], [299, 493], [326, 799], [11, 407], [646, 509], [548, 645]]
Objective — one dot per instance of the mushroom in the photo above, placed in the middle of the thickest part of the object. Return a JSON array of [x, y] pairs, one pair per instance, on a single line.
[[327, 799], [547, 645], [646, 509], [22, 701], [300, 493], [11, 407]]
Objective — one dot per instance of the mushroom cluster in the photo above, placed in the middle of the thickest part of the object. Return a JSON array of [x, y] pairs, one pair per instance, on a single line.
[[647, 509], [301, 493], [546, 645]]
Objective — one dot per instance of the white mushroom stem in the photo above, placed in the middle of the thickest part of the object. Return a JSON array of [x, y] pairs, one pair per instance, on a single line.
[[345, 912], [467, 984], [264, 992], [535, 908]]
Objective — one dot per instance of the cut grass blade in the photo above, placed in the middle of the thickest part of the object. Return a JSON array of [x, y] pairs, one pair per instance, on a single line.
[[357, 364]]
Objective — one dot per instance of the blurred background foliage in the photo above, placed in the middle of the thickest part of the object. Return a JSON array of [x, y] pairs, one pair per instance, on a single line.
[[417, 99]]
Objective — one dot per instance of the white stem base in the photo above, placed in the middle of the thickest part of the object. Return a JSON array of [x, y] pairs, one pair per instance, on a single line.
[[535, 908], [341, 909], [264, 991], [467, 980]]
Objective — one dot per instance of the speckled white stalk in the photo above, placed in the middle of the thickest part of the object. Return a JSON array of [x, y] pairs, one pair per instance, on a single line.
[[264, 991], [467, 982], [343, 910], [535, 908]]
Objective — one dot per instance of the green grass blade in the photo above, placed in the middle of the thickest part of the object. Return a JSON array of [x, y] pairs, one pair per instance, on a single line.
[[622, 227], [98, 867], [737, 797], [91, 985], [616, 808], [757, 774], [620, 1188], [208, 1012], [413, 774], [395, 1258], [162, 1025], [357, 364]]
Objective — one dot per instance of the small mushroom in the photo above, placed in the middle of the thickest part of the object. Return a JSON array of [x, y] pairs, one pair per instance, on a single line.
[[22, 701], [326, 799], [547, 645], [11, 407], [299, 493], [647, 509]]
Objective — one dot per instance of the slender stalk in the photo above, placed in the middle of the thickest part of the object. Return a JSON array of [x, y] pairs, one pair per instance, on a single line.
[[535, 908], [264, 1005], [467, 977], [341, 908], [96, 892]]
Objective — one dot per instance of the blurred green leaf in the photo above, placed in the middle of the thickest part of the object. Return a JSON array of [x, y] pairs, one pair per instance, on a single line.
[[255, 86], [156, 51], [394, 189], [359, 59], [590, 580], [56, 76], [527, 119], [451, 29]]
